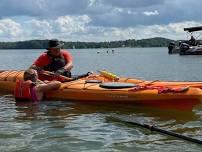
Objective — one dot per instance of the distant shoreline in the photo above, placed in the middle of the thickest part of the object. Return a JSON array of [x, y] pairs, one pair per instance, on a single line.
[[131, 43], [84, 48]]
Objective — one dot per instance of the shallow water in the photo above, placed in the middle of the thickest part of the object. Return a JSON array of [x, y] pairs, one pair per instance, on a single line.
[[69, 126]]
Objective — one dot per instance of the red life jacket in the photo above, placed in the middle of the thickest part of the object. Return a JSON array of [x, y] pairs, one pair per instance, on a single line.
[[23, 90]]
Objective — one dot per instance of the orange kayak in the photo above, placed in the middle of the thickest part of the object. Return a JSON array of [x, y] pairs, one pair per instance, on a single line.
[[97, 88]]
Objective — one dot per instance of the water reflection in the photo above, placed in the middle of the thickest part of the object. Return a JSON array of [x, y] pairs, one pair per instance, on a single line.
[[62, 110], [56, 122]]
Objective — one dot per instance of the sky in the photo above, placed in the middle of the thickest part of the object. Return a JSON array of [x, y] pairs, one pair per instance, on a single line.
[[97, 20]]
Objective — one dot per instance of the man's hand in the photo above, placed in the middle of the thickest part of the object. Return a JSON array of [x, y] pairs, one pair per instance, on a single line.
[[38, 69], [60, 71]]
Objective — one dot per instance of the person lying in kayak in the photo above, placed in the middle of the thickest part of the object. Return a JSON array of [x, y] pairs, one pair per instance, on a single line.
[[32, 88], [55, 60]]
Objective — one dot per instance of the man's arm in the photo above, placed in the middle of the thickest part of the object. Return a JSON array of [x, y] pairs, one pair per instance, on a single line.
[[68, 57], [68, 66], [40, 62], [37, 68]]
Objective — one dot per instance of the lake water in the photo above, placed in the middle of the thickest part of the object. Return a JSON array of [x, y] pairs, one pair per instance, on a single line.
[[68, 126]]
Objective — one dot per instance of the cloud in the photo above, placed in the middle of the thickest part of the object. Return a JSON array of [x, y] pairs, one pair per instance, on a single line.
[[71, 24], [131, 13], [9, 29], [10, 8], [173, 31], [150, 13], [132, 3], [48, 8], [63, 27], [78, 28], [96, 20], [42, 8], [109, 13], [37, 29]]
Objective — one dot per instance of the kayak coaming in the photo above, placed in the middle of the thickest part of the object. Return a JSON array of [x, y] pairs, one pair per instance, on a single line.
[[197, 84], [79, 90]]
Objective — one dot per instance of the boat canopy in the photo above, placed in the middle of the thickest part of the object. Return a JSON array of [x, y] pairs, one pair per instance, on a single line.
[[192, 29]]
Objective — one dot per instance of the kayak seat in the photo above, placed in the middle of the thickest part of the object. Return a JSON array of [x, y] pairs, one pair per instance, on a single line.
[[117, 85]]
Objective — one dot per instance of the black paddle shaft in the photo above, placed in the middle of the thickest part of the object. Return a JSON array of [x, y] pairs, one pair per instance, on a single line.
[[81, 76], [153, 128]]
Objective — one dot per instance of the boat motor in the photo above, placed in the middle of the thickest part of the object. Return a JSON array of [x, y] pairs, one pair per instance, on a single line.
[[170, 47]]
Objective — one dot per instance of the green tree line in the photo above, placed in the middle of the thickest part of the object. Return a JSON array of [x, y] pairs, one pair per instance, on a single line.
[[42, 44]]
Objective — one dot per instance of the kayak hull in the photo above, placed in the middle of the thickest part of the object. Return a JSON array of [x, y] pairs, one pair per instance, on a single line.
[[146, 98], [81, 91]]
